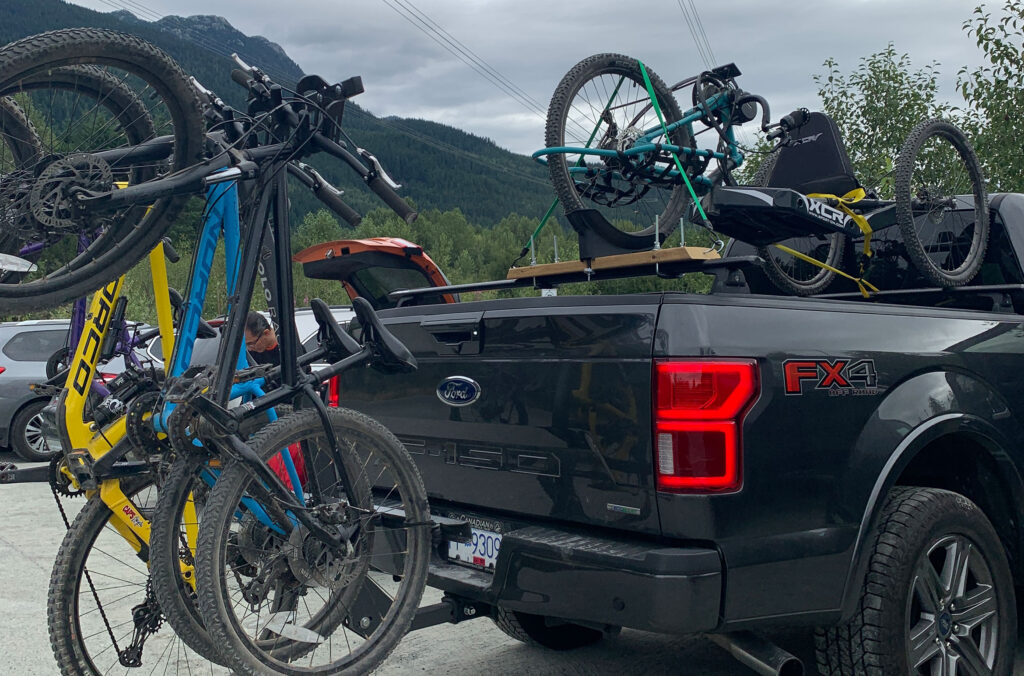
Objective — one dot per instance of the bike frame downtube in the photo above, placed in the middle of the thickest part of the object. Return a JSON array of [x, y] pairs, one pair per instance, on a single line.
[[233, 332]]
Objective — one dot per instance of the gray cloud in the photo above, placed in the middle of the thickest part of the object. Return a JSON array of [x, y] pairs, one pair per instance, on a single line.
[[534, 42]]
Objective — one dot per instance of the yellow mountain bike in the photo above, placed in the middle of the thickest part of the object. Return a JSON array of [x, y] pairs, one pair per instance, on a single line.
[[102, 611]]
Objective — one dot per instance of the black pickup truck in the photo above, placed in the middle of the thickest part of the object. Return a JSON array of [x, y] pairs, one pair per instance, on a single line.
[[729, 462]]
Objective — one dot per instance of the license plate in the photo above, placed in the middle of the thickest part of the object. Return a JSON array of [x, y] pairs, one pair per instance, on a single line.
[[480, 552]]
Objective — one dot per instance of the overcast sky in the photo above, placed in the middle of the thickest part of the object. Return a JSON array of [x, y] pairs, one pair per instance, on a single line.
[[534, 42]]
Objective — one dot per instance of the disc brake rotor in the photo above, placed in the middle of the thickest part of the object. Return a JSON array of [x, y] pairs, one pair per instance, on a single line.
[[53, 194]]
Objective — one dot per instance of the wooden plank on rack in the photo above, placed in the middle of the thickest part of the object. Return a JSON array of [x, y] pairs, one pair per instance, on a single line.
[[638, 258]]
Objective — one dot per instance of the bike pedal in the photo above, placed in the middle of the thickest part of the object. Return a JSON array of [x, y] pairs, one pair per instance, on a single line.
[[79, 463]]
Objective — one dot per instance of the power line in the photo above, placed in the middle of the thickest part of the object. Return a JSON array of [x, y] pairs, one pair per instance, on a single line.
[[448, 46], [701, 52], [446, 147], [704, 36], [134, 7], [469, 52]]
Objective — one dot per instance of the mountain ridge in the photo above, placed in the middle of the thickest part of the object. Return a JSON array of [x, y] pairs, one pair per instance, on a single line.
[[439, 165]]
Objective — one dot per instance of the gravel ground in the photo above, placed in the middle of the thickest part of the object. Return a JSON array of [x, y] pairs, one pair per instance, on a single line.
[[32, 532]]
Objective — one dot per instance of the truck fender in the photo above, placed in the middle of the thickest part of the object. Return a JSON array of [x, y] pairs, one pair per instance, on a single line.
[[915, 413]]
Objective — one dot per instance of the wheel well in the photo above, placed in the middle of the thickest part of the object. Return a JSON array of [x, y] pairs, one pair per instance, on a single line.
[[26, 405], [962, 464]]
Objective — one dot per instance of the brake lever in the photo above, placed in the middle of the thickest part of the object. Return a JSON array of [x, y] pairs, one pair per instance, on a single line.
[[319, 182], [378, 168]]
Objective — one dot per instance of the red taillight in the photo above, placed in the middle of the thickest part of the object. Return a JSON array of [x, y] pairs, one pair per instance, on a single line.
[[2, 369], [698, 412], [106, 377], [333, 392]]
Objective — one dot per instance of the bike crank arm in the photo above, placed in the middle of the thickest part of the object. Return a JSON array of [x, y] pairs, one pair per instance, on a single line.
[[10, 474]]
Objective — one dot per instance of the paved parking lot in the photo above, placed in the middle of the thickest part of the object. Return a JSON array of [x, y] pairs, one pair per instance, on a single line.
[[32, 531]]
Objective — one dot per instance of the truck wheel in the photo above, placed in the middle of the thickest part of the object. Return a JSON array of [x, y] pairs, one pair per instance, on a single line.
[[938, 597], [548, 632], [27, 434]]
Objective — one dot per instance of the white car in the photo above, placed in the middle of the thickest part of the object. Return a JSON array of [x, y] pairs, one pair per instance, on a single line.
[[205, 349]]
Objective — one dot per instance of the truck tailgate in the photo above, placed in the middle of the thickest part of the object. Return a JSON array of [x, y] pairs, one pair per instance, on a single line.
[[560, 426]]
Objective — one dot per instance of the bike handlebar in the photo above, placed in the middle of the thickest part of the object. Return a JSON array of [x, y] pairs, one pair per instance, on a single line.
[[794, 120], [333, 201], [241, 77], [392, 199]]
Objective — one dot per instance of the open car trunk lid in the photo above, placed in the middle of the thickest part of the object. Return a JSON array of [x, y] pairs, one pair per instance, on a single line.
[[373, 268]]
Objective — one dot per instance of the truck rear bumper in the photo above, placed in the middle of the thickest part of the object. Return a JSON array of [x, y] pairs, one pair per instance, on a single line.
[[553, 573]]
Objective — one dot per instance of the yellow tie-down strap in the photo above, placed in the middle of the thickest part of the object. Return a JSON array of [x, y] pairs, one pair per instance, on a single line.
[[862, 223], [844, 203]]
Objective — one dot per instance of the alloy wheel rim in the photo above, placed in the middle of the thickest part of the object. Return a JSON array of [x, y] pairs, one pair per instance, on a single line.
[[35, 437], [952, 619]]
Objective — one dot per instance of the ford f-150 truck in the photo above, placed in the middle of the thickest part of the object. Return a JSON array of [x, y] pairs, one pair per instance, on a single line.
[[724, 463]]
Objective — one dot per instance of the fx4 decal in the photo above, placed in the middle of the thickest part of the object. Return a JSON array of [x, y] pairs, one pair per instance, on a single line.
[[839, 377]]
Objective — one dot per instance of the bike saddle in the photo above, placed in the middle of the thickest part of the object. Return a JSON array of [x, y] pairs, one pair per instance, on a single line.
[[337, 341], [390, 354], [204, 330]]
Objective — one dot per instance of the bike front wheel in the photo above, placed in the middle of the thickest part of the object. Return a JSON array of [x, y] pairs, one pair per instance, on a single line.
[[102, 614], [793, 274], [603, 103], [129, 117], [941, 204], [280, 600]]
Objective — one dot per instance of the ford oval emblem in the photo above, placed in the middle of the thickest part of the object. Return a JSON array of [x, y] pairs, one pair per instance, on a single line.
[[458, 391]]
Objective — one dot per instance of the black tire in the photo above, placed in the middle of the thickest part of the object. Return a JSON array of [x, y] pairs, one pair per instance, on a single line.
[[78, 636], [175, 595], [787, 272], [133, 230], [20, 149], [376, 454], [545, 632], [168, 550], [27, 437], [57, 361], [938, 176], [569, 123], [123, 108], [921, 533]]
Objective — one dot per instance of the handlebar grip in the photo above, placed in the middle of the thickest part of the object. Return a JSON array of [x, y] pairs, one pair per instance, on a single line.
[[337, 205], [797, 118], [392, 199], [241, 77], [169, 251]]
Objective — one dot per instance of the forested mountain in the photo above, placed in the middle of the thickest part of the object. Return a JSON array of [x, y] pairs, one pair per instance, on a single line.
[[439, 166]]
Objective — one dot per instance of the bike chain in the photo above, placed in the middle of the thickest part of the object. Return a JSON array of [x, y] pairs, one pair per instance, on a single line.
[[182, 421], [60, 483], [88, 576], [147, 619]]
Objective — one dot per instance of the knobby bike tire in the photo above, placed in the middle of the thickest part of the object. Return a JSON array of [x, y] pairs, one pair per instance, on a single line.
[[774, 270], [174, 594], [353, 430], [555, 136], [22, 142], [68, 582], [906, 192], [177, 600], [121, 102], [57, 49]]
